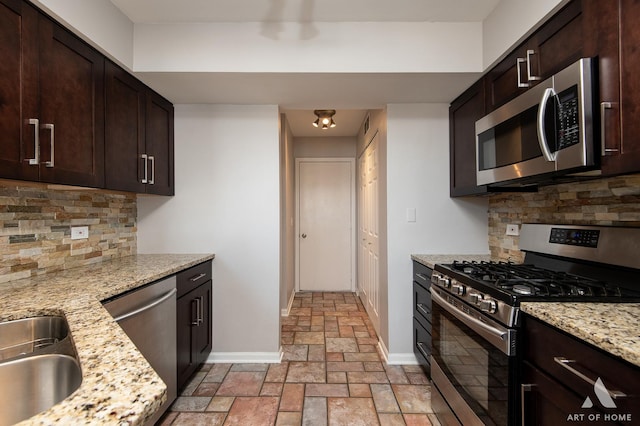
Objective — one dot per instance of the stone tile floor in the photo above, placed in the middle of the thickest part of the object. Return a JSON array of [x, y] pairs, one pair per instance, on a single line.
[[331, 374]]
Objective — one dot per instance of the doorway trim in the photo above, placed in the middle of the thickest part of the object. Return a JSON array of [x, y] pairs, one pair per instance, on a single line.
[[353, 254]]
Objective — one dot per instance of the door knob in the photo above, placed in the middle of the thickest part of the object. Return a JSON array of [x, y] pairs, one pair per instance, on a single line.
[[304, 235]]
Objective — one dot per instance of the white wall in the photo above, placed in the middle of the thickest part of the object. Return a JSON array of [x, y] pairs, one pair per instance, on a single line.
[[227, 202], [510, 21], [418, 177], [321, 147], [98, 22], [334, 47]]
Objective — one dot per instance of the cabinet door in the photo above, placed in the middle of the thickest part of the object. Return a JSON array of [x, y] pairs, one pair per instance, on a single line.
[[125, 104], [18, 89], [560, 41], [506, 80], [159, 144], [621, 125], [202, 339], [186, 318], [71, 108], [463, 113]]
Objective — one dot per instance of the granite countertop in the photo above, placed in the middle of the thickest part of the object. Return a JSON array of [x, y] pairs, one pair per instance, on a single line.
[[429, 260], [612, 327], [118, 385]]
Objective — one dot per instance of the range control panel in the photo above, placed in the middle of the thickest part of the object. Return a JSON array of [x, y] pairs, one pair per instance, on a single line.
[[575, 237]]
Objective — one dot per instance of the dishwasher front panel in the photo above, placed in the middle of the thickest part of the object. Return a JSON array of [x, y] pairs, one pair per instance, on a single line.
[[148, 316]]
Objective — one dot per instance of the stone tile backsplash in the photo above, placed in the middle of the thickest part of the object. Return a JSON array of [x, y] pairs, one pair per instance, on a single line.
[[35, 228], [612, 201]]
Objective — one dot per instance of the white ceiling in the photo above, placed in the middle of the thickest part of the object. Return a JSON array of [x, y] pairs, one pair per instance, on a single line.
[[299, 94]]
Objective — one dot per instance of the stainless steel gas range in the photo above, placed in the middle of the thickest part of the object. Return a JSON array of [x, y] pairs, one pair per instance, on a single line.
[[475, 361]]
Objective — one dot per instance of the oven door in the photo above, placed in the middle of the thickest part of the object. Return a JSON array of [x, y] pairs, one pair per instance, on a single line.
[[473, 365]]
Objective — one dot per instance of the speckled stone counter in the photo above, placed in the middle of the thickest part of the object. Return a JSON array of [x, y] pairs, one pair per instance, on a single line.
[[429, 260], [608, 326], [118, 385]]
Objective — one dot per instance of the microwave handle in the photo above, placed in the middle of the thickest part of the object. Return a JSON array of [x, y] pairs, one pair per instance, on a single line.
[[542, 137]]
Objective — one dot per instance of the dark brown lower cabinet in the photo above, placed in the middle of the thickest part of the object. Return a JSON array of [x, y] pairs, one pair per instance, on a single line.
[[422, 315], [194, 326], [568, 381]]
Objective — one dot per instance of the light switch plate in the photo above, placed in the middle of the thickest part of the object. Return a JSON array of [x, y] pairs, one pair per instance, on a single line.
[[79, 232]]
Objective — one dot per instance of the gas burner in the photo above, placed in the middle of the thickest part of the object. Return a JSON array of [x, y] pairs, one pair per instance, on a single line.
[[523, 289]]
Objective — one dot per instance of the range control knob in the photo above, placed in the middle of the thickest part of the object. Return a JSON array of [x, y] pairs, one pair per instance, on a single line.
[[488, 305], [446, 282], [459, 289], [476, 298]]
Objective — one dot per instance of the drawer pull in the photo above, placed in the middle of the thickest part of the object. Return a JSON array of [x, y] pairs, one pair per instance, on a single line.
[[197, 277], [422, 276], [605, 396], [421, 348], [422, 309]]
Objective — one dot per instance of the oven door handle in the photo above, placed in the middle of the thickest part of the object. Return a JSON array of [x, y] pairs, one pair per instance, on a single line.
[[499, 338]]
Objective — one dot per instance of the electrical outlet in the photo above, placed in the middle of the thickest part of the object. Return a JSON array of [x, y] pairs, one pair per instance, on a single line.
[[79, 232], [513, 229]]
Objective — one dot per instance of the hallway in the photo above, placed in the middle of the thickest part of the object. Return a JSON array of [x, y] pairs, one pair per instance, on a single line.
[[331, 374]]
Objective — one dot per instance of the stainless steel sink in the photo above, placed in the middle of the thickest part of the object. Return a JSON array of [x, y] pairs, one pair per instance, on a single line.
[[38, 366]]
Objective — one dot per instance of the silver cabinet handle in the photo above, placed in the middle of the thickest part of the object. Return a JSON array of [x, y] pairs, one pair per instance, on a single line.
[[156, 302], [197, 321], [422, 309], [604, 106], [520, 61], [197, 277], [542, 137], [201, 310], [145, 179], [422, 276], [153, 170], [605, 395], [422, 350], [35, 161], [51, 129], [525, 387], [530, 76]]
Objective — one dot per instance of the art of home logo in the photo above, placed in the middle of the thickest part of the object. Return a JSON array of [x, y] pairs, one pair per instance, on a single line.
[[605, 400]]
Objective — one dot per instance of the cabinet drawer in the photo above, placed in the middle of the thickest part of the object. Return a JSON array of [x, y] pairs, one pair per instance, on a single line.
[[422, 305], [421, 343], [572, 362], [422, 274], [191, 278]]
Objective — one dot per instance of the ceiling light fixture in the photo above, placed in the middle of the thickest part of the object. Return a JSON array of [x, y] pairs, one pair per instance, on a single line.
[[325, 118]]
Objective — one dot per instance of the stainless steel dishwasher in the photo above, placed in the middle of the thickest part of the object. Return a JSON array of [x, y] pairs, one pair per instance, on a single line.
[[148, 316]]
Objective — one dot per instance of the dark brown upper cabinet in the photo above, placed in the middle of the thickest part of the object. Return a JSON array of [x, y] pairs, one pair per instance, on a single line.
[[139, 136], [463, 114], [619, 53], [555, 45], [51, 101]]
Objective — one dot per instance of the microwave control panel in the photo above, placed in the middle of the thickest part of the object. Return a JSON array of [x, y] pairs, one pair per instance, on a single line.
[[567, 118]]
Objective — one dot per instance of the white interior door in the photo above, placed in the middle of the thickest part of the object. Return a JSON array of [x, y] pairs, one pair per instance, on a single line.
[[326, 234], [369, 231]]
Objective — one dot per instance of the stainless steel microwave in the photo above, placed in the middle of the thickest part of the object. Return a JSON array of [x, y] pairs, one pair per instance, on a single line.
[[546, 131]]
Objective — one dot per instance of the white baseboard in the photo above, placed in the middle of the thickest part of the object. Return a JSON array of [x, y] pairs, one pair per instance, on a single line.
[[285, 312], [245, 357], [396, 359], [383, 351], [402, 359]]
